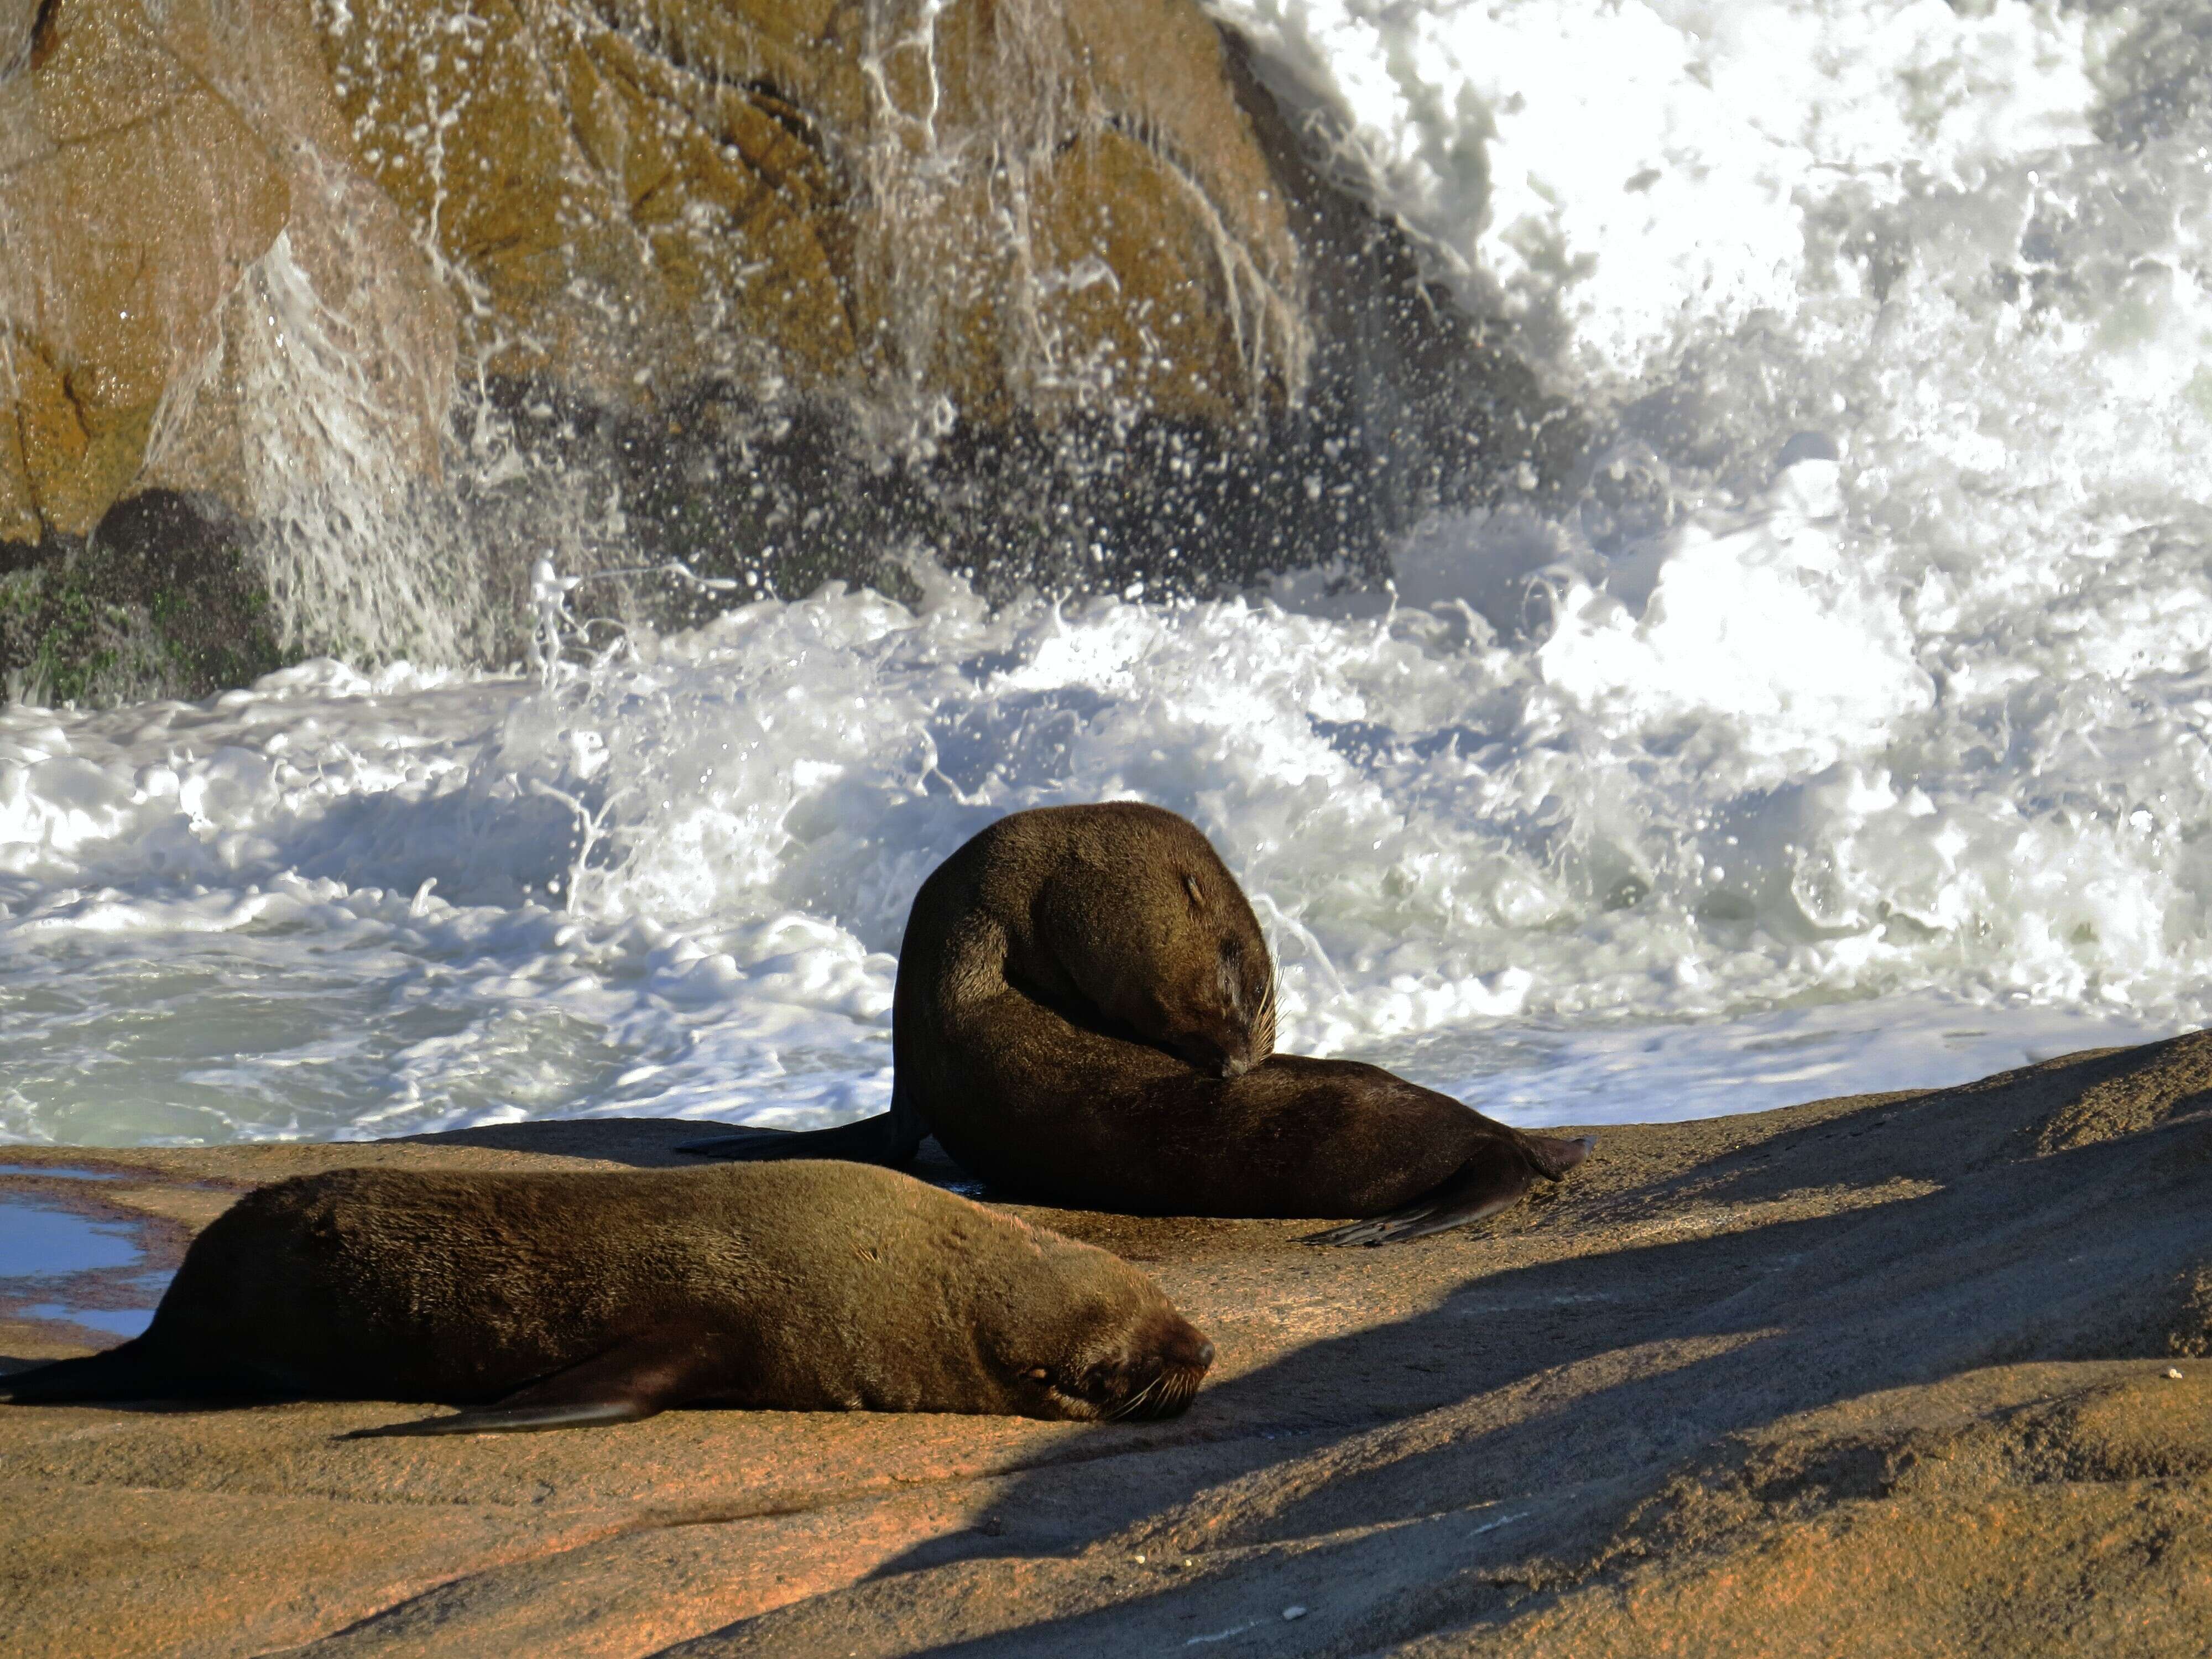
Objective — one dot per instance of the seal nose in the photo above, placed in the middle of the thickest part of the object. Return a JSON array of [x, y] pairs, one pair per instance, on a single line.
[[1187, 1349], [1200, 1052]]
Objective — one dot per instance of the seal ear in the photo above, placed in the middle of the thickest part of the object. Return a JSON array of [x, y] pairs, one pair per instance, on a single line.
[[1197, 893]]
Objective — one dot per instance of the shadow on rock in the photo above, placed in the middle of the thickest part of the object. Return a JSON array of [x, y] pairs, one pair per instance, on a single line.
[[1717, 1277]]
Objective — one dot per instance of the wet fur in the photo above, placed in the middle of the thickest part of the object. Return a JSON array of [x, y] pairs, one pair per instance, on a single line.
[[561, 1299], [1064, 979]]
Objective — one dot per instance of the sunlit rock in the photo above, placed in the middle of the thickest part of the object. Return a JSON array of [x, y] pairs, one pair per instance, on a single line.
[[149, 159]]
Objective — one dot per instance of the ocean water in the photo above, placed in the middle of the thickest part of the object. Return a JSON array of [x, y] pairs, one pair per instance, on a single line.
[[1846, 732]]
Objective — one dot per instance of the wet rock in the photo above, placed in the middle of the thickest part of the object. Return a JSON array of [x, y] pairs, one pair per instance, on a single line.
[[132, 198], [164, 602], [1043, 290], [1008, 204], [154, 163]]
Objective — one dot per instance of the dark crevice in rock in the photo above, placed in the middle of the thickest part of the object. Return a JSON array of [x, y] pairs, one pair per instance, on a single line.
[[160, 601], [44, 32], [772, 102]]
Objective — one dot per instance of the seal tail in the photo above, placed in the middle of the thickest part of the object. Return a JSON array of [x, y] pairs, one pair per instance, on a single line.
[[127, 1372], [1485, 1186]]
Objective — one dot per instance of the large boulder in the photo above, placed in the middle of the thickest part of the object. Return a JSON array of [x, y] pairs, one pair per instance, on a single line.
[[158, 166], [1000, 209], [785, 288], [1001, 204]]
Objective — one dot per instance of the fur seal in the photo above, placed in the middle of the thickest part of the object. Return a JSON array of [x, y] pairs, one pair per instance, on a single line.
[[1085, 1012], [560, 1300]]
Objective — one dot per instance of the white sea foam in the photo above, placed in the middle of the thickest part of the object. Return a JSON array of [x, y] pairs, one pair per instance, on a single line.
[[1639, 174], [1848, 733]]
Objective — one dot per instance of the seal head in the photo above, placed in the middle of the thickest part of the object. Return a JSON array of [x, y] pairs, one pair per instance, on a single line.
[[1134, 924]]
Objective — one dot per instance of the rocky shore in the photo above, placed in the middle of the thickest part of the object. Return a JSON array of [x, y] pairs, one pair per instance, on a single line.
[[1911, 1373]]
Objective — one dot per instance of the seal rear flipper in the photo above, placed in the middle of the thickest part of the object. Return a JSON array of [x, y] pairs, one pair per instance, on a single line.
[[890, 1139], [1555, 1156], [126, 1372], [635, 1380], [1480, 1190]]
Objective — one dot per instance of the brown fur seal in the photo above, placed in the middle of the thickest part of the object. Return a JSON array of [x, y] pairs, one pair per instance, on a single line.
[[548, 1301], [1085, 1012]]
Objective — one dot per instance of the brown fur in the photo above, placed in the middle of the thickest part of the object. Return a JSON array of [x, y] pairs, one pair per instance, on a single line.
[[1085, 1012], [1119, 916], [585, 1296]]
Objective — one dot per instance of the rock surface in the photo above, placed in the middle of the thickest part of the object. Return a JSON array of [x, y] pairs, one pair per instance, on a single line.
[[1016, 205], [1887, 1374], [995, 202]]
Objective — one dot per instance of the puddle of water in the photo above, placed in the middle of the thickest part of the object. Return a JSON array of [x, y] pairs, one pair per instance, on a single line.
[[58, 1265], [43, 1240], [117, 1321], [61, 1169]]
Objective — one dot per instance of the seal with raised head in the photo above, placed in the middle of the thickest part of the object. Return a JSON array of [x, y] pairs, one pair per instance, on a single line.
[[1085, 1013], [563, 1299]]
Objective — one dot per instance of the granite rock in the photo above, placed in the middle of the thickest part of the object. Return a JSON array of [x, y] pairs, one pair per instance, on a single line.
[[1881, 1374]]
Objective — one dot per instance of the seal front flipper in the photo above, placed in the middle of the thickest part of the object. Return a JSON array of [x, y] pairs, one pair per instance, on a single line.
[[636, 1379], [1491, 1183], [522, 1419]]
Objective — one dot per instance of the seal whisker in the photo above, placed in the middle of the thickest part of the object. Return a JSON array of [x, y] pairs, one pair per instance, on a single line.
[[1144, 1393], [1130, 1406], [1175, 1397]]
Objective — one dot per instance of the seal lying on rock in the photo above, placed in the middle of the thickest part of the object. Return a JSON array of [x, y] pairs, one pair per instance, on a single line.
[[1085, 1013], [571, 1298]]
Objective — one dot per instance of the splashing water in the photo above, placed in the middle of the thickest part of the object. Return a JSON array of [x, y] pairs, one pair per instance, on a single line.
[[1849, 732]]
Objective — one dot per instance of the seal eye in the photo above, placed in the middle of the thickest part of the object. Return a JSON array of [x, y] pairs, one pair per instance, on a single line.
[[1229, 977], [1040, 1374]]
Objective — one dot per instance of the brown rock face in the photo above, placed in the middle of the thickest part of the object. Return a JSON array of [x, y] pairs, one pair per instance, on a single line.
[[1018, 205], [1015, 205], [134, 198], [152, 174], [1041, 287]]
